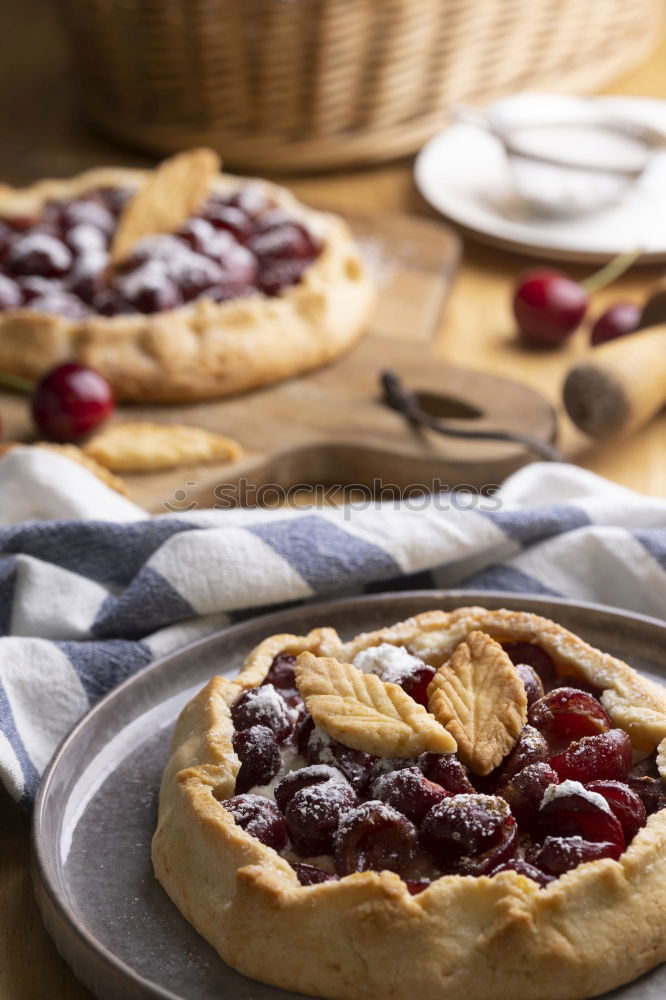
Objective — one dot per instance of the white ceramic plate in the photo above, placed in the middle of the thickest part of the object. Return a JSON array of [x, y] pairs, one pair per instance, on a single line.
[[464, 174]]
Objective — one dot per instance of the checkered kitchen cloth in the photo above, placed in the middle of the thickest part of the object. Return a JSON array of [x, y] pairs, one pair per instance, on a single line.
[[88, 600]]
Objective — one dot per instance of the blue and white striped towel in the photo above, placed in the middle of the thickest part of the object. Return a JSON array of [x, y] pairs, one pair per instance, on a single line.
[[87, 601]]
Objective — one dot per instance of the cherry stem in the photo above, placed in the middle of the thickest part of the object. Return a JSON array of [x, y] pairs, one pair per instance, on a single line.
[[17, 382], [612, 270]]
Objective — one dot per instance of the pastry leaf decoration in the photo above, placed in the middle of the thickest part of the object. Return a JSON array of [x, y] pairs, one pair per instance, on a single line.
[[480, 699], [365, 713], [174, 191]]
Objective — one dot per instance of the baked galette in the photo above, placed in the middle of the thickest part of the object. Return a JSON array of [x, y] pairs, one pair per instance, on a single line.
[[175, 284], [462, 805]]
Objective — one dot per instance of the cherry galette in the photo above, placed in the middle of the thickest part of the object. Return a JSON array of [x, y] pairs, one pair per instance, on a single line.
[[478, 762], [247, 287]]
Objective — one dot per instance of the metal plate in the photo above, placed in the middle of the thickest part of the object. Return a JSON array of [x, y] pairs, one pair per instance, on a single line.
[[96, 809]]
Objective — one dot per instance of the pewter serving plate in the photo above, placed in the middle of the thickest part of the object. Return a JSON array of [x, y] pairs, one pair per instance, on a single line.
[[96, 809]]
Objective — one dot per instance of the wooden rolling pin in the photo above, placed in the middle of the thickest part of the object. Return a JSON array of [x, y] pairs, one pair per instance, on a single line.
[[622, 384]]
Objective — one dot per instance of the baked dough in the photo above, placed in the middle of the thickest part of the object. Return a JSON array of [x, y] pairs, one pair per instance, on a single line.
[[363, 937], [203, 349], [140, 446]]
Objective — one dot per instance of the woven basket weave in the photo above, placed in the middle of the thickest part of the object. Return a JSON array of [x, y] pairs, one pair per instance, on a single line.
[[302, 84]]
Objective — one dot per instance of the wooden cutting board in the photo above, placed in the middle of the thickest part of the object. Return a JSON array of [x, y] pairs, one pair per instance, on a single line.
[[330, 426]]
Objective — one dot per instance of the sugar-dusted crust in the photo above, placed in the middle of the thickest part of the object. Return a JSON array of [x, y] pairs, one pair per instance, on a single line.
[[596, 927], [203, 349]]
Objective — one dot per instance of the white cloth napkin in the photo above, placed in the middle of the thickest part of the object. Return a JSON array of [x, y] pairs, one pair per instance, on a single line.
[[92, 588]]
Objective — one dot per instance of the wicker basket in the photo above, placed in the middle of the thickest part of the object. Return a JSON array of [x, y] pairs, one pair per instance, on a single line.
[[303, 84]]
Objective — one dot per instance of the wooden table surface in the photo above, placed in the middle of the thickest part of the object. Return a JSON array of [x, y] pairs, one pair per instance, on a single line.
[[41, 135]]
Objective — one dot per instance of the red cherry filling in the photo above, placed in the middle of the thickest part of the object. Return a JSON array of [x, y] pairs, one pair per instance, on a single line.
[[531, 748], [427, 811], [595, 758], [374, 837], [262, 706], [259, 754], [39, 254], [522, 867], [570, 810], [415, 886], [626, 805], [305, 777], [528, 653], [567, 713], [354, 764], [313, 813], [649, 790], [559, 854], [281, 673], [531, 681], [525, 791], [10, 293], [260, 818], [469, 834], [446, 770], [408, 791], [208, 257], [311, 874]]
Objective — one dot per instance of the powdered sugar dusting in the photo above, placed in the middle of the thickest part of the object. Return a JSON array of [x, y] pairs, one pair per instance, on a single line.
[[321, 745], [570, 787], [391, 663], [373, 808]]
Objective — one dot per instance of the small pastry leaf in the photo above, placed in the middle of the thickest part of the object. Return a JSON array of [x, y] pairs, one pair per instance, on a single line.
[[366, 714], [174, 191], [480, 699]]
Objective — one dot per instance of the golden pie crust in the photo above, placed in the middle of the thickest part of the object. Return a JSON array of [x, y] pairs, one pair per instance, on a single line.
[[363, 937], [203, 349]]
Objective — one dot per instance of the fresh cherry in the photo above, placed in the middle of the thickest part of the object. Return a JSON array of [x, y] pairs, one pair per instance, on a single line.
[[259, 754], [262, 706], [374, 837], [559, 854], [567, 713], [260, 818], [617, 321], [70, 401], [626, 805], [469, 834], [595, 758], [548, 306], [408, 791]]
